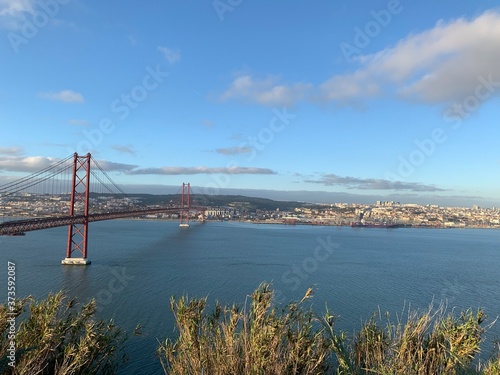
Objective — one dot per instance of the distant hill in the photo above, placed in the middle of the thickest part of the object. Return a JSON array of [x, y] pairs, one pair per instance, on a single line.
[[251, 203], [240, 201]]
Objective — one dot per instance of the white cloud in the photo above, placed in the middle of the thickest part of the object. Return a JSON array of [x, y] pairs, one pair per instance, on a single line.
[[67, 96], [200, 170], [12, 12], [31, 164], [234, 150], [124, 149], [344, 88], [265, 91], [110, 166], [172, 55], [440, 65], [26, 164], [15, 8], [11, 150], [372, 183]]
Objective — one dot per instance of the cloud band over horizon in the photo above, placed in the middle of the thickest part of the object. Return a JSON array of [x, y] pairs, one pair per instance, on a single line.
[[373, 184], [32, 164]]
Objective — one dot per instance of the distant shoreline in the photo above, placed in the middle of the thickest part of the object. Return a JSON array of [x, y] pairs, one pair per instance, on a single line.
[[278, 222], [298, 223]]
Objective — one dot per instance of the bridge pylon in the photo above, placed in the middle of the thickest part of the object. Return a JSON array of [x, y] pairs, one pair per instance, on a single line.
[[79, 206], [185, 205]]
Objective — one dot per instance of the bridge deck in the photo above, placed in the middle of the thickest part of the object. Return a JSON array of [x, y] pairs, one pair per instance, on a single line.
[[20, 226]]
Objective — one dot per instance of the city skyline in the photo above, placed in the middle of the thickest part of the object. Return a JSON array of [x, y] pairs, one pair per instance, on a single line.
[[378, 100]]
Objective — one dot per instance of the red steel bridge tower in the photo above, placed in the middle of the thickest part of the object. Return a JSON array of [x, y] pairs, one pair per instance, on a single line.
[[78, 168], [185, 205], [79, 206]]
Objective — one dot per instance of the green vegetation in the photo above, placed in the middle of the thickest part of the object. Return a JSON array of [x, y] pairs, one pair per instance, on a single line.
[[260, 339], [55, 337], [256, 340], [248, 203]]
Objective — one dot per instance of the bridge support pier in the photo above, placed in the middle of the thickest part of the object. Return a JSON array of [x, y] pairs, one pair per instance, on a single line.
[[80, 192], [75, 261], [185, 205]]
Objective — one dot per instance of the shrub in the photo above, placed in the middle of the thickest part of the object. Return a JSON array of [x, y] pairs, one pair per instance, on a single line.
[[53, 338], [431, 342], [262, 340]]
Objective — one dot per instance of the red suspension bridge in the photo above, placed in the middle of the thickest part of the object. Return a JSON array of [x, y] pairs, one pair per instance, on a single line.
[[86, 176]]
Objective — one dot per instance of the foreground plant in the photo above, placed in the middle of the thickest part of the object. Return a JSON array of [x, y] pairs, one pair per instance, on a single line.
[[54, 338], [431, 342], [492, 367], [260, 340]]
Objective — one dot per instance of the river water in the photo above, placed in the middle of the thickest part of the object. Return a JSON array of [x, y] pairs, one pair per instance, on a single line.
[[137, 265]]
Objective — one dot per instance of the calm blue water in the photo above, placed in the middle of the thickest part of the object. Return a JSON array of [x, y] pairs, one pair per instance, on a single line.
[[138, 265]]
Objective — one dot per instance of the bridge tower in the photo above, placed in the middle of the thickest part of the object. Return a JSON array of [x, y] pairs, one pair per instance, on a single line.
[[79, 208], [185, 205]]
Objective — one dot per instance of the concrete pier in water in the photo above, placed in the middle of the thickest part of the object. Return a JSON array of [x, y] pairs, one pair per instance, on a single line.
[[76, 261]]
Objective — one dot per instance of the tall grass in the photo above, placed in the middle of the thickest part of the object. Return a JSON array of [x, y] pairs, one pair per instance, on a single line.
[[56, 338], [257, 339], [260, 339], [431, 342]]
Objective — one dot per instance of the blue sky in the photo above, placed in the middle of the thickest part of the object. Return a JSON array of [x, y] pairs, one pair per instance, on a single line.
[[363, 100]]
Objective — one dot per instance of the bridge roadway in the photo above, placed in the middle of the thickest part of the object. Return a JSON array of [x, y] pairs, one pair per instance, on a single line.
[[20, 226]]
